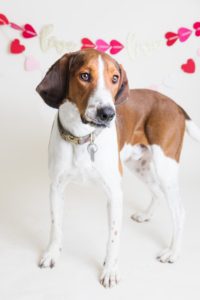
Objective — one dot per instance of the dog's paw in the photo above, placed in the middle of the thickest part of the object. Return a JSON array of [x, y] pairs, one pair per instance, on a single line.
[[110, 277], [49, 258], [168, 256], [141, 217]]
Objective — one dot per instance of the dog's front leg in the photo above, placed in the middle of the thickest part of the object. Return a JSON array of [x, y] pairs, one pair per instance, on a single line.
[[52, 253], [110, 274]]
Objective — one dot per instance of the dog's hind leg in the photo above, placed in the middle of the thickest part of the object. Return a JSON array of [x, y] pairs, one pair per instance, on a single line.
[[145, 216], [167, 172], [140, 162]]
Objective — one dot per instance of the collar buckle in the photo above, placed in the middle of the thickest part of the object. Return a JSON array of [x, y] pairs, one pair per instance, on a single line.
[[72, 139]]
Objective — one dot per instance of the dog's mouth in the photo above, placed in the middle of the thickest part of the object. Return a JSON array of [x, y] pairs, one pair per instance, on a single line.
[[94, 123]]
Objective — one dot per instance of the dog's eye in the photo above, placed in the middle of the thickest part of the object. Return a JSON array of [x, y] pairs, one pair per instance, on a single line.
[[115, 78], [85, 76]]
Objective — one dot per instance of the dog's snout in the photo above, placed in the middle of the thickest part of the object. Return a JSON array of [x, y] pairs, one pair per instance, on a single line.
[[105, 114]]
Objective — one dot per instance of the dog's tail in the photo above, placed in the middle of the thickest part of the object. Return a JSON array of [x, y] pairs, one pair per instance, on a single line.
[[192, 129]]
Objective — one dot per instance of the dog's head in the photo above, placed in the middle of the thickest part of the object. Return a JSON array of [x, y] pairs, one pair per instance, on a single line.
[[92, 80]]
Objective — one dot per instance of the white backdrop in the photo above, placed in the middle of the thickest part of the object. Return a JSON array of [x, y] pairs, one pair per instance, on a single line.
[[25, 121]]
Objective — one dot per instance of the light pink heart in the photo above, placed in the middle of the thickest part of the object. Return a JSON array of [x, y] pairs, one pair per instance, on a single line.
[[184, 34], [115, 47], [198, 52], [31, 64], [102, 45]]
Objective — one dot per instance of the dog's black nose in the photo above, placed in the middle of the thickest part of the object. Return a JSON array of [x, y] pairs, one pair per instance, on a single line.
[[105, 114]]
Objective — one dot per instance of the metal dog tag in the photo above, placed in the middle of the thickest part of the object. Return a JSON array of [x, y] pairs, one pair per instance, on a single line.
[[92, 148]]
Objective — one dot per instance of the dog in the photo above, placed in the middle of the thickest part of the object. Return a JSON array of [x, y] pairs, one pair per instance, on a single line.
[[101, 125]]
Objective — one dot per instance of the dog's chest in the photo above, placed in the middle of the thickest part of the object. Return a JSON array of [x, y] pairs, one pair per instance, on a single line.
[[82, 166], [81, 157], [74, 161]]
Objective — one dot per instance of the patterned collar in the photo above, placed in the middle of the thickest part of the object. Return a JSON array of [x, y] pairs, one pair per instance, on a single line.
[[67, 136]]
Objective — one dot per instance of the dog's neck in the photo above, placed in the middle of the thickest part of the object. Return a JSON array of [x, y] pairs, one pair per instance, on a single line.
[[70, 118]]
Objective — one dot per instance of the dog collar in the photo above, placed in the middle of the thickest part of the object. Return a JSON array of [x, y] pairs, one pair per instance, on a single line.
[[67, 136]]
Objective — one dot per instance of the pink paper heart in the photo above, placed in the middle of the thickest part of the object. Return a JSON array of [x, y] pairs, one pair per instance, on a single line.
[[31, 64], [102, 45], [184, 34], [198, 52], [15, 26], [115, 47]]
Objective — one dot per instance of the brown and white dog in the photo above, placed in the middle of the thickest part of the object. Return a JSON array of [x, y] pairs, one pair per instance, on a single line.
[[100, 125]]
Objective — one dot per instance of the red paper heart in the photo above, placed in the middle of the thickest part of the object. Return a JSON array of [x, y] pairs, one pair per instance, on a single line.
[[16, 47], [102, 45], [86, 43], [196, 26], [28, 31], [115, 47], [3, 20], [171, 38], [189, 66]]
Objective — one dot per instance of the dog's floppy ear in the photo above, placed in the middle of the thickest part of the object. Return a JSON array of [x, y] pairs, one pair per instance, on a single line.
[[123, 91], [53, 88]]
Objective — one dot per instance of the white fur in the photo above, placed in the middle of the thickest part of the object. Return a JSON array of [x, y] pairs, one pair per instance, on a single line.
[[160, 173], [71, 120], [135, 152], [67, 162]]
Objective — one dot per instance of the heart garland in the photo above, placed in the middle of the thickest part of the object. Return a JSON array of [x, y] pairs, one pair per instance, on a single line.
[[27, 30], [16, 47], [114, 46], [182, 34]]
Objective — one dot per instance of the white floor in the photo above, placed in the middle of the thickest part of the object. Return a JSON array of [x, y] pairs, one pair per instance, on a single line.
[[24, 229]]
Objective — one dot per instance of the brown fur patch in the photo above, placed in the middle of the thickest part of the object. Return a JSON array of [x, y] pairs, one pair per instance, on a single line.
[[149, 118]]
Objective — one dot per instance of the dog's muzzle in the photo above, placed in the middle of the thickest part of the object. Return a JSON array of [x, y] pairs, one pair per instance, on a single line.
[[102, 117]]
